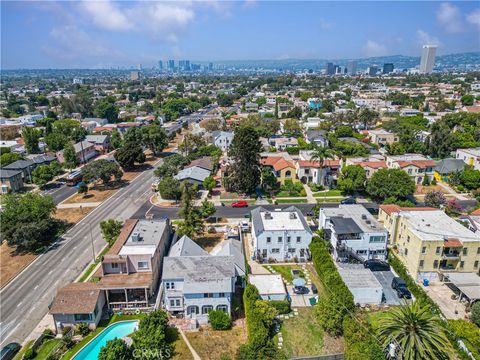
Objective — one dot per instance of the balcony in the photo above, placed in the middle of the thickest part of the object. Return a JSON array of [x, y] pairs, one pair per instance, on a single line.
[[451, 256]]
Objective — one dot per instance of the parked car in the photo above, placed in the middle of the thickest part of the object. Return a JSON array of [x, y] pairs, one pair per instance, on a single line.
[[314, 289], [300, 290], [400, 286], [240, 203], [377, 265], [9, 351], [245, 225], [349, 201]]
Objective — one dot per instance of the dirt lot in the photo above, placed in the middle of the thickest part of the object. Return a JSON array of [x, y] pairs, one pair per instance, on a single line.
[[12, 263], [208, 241], [74, 215], [212, 345], [422, 190]]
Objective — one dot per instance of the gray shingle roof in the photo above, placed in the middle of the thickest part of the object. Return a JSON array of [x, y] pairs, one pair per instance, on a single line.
[[186, 247], [7, 173], [19, 165], [194, 173], [232, 247], [447, 166]]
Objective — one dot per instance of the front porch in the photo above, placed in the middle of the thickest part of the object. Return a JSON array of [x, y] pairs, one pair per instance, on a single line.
[[122, 299]]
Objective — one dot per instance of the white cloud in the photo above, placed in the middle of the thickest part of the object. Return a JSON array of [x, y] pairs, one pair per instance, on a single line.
[[324, 24], [373, 48], [423, 38], [449, 18], [474, 18], [106, 15], [249, 4]]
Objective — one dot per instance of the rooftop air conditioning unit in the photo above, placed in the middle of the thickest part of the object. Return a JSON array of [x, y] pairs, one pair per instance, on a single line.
[[364, 216], [268, 216], [136, 236], [293, 215]]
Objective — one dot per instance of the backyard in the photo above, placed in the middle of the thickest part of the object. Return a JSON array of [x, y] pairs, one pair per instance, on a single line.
[[286, 271]]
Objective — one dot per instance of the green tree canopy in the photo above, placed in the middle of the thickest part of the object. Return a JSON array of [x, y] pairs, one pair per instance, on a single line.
[[169, 188], [102, 170], [115, 349], [111, 228], [354, 179], [154, 138], [30, 137], [390, 183], [70, 156], [130, 153], [152, 334]]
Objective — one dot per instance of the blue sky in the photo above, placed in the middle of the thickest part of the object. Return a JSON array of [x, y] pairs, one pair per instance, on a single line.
[[78, 34]]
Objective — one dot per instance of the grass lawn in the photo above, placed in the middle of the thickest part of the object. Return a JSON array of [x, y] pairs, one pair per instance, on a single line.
[[328, 193], [180, 348], [304, 336], [212, 345], [19, 355], [285, 271], [287, 194], [46, 348], [291, 201], [92, 266], [328, 200]]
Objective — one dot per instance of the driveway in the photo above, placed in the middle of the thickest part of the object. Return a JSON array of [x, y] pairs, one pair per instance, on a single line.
[[300, 300], [385, 279]]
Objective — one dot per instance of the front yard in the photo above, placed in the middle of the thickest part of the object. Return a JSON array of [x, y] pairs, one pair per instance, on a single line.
[[303, 336], [215, 345], [286, 271]]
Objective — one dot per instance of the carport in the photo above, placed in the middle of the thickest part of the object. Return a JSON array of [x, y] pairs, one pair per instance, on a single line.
[[467, 284]]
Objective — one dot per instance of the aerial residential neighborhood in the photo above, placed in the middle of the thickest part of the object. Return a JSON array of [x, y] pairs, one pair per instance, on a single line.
[[291, 192]]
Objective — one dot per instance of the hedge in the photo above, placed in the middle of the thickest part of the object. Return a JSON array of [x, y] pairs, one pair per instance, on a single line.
[[282, 306], [360, 344], [333, 308], [219, 320]]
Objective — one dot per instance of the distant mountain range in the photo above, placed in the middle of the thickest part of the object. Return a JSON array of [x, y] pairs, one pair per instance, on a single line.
[[462, 60]]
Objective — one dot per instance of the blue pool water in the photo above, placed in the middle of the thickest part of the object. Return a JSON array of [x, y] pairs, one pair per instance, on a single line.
[[117, 330]]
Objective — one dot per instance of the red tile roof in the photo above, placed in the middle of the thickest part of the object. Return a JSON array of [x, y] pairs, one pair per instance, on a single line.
[[308, 163], [476, 212], [452, 243], [473, 109], [418, 163], [392, 208], [373, 164], [277, 162]]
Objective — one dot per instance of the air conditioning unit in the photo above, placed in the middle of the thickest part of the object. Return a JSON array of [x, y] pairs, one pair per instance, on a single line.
[[136, 236]]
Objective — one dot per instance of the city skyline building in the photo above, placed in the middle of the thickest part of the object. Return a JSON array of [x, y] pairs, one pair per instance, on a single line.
[[427, 61], [388, 68], [352, 67]]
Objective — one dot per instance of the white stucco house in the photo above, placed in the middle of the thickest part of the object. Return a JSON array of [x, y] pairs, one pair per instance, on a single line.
[[353, 232], [280, 235], [222, 139]]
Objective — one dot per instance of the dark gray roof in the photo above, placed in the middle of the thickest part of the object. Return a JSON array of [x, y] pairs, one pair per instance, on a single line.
[[315, 134], [19, 165], [194, 173], [41, 159], [186, 247], [232, 247], [7, 173], [257, 222], [345, 225], [447, 166]]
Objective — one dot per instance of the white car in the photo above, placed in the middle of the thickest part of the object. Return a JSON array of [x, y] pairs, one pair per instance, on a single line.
[[245, 225]]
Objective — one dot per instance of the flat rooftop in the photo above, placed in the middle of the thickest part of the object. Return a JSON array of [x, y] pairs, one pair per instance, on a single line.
[[144, 238], [356, 278], [362, 218], [271, 284]]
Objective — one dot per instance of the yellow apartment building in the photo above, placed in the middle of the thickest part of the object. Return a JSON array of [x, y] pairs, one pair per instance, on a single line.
[[429, 242]]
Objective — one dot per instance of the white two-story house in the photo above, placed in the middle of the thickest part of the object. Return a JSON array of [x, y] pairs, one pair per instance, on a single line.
[[195, 282], [222, 139], [353, 233], [280, 235]]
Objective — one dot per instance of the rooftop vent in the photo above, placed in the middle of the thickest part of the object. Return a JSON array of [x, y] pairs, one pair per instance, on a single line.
[[368, 221], [364, 216], [293, 215], [268, 216], [136, 236]]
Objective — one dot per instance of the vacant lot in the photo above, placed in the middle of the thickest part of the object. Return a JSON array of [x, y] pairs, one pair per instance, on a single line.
[[212, 345], [303, 336], [12, 263], [74, 215], [208, 241]]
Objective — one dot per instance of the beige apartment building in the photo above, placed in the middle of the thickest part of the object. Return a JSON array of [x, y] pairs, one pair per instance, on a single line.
[[429, 242], [415, 165], [382, 137]]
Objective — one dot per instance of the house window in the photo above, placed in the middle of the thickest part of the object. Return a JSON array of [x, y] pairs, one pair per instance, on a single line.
[[192, 309], [377, 239], [172, 302], [462, 264], [206, 309], [424, 250], [478, 251], [208, 295], [465, 251], [475, 264], [288, 239], [291, 250], [299, 239], [114, 265], [269, 240], [83, 317], [279, 239], [307, 171], [170, 285], [221, 295], [408, 238], [435, 264], [421, 263], [275, 251], [437, 250], [143, 265], [223, 308], [288, 173]]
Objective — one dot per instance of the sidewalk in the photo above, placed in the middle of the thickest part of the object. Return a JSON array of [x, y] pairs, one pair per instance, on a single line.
[[310, 198], [78, 205]]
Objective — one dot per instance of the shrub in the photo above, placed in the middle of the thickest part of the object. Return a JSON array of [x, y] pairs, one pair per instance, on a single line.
[[68, 341], [48, 333], [282, 306], [30, 354], [475, 314], [219, 320], [434, 181], [360, 344], [82, 329]]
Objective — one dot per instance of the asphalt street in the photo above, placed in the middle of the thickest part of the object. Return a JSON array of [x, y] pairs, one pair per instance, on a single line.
[[24, 301], [59, 192]]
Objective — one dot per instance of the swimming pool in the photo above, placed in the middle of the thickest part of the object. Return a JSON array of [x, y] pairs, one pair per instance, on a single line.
[[117, 330]]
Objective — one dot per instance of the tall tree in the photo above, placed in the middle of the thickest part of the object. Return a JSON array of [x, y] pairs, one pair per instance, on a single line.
[[115, 349], [111, 228], [417, 331], [70, 156], [107, 109], [387, 183], [116, 139], [31, 136], [368, 117], [245, 151], [152, 334], [129, 154], [102, 170], [354, 179], [155, 138], [321, 154]]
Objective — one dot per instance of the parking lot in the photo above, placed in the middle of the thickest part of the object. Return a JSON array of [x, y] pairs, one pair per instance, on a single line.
[[385, 279]]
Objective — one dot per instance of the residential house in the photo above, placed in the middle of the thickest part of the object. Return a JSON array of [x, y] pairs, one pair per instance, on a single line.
[[382, 137], [282, 168], [194, 175], [415, 165], [371, 164], [471, 157], [11, 181], [472, 220], [204, 162], [251, 107], [281, 143], [77, 303], [429, 242], [269, 286], [101, 142], [309, 171], [445, 167], [195, 282], [353, 233], [28, 165], [280, 235], [317, 137], [222, 139], [84, 150], [129, 273]]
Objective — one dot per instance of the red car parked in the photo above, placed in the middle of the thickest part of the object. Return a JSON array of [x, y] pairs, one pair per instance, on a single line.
[[239, 203]]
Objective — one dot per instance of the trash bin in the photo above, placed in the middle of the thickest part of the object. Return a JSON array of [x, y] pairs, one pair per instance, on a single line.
[[425, 282]]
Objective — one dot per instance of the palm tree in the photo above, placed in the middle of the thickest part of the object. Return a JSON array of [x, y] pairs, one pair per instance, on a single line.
[[320, 154], [416, 330]]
